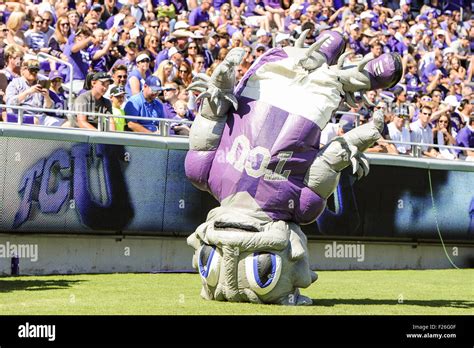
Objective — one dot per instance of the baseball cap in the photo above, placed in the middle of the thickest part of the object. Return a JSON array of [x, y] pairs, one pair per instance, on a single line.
[[172, 51], [347, 122], [101, 76], [440, 32], [261, 32], [212, 34], [448, 50], [422, 17], [96, 7], [31, 64], [169, 38], [368, 32], [377, 2], [154, 83], [281, 37], [130, 44], [456, 81], [405, 2], [116, 91], [366, 14], [354, 26], [141, 57], [55, 75], [181, 25], [296, 7]]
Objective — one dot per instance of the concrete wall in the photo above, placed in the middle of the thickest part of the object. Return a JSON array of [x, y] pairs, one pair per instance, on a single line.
[[59, 254]]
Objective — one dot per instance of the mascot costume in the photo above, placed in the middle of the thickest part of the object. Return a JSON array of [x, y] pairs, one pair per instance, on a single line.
[[255, 148]]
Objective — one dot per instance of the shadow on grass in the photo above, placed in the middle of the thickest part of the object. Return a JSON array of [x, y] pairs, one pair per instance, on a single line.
[[330, 302], [36, 285]]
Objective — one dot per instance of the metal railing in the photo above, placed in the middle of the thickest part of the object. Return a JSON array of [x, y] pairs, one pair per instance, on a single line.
[[164, 125], [70, 102]]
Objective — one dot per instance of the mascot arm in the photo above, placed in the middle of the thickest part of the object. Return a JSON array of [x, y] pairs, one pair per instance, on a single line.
[[206, 131], [323, 175]]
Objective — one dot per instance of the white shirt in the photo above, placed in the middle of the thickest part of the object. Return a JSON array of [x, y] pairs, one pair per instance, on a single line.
[[421, 135], [399, 135]]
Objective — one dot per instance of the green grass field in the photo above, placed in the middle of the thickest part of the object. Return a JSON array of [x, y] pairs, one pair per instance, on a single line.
[[446, 292]]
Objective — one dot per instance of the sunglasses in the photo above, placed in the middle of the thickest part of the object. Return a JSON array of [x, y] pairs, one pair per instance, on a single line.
[[5, 30], [443, 121], [183, 71], [193, 47], [33, 70], [39, 22], [122, 76], [153, 26], [145, 61]]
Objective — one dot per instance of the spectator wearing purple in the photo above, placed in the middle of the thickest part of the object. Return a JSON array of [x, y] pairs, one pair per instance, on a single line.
[[465, 138], [131, 51], [35, 38], [292, 21], [56, 93], [100, 47], [138, 75], [168, 42], [255, 14], [199, 14], [275, 13], [412, 79], [432, 69], [78, 55]]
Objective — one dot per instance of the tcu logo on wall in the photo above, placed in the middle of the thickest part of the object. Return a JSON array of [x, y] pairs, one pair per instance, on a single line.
[[65, 178]]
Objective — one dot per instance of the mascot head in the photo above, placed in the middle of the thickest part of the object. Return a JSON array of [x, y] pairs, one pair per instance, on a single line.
[[245, 262]]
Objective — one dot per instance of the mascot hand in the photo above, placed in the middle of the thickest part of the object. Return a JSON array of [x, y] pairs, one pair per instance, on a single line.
[[218, 88], [369, 74]]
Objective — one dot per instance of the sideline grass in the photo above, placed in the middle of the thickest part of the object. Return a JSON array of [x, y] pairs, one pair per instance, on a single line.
[[442, 292]]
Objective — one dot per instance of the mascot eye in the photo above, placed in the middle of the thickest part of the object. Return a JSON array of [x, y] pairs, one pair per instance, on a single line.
[[263, 271], [209, 264]]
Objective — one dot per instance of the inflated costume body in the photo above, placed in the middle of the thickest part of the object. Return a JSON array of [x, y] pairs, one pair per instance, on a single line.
[[255, 148]]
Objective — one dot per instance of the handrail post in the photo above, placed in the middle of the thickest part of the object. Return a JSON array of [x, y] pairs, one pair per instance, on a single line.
[[163, 126], [20, 116]]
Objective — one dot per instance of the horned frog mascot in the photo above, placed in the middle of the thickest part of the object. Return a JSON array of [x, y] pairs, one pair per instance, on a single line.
[[255, 148]]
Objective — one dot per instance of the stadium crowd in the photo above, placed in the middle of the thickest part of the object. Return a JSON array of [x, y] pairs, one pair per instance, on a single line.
[[137, 57]]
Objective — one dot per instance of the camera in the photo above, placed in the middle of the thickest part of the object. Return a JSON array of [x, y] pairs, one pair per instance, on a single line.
[[44, 83]]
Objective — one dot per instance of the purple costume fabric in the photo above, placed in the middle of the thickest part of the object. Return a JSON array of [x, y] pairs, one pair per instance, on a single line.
[[252, 131]]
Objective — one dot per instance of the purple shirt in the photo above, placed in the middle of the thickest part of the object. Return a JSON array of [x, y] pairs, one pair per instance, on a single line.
[[197, 16], [465, 137], [272, 3]]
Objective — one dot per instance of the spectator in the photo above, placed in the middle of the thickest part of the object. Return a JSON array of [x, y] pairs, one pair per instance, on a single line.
[[119, 77], [185, 74], [100, 47], [35, 38], [164, 72], [170, 96], [13, 59], [465, 138], [398, 132], [58, 40], [131, 51], [422, 133], [443, 135], [26, 91], [199, 14], [56, 93], [117, 97], [182, 112], [14, 25], [79, 56], [138, 76], [145, 104], [93, 101]]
